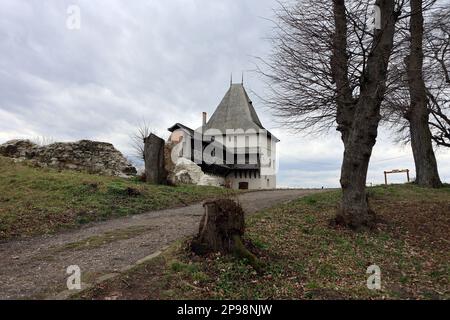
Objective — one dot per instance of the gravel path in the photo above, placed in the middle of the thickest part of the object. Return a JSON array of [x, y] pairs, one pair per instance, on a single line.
[[36, 267]]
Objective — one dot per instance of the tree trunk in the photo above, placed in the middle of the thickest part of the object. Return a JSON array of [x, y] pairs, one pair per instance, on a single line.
[[418, 116], [354, 211], [155, 172], [359, 128], [427, 174]]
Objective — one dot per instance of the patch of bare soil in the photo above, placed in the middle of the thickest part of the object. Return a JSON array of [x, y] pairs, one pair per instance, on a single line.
[[146, 283]]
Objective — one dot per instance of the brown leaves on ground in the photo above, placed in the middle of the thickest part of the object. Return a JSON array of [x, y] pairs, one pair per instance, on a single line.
[[424, 223], [306, 259]]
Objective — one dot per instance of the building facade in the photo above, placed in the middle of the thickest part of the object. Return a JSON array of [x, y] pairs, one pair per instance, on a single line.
[[232, 144]]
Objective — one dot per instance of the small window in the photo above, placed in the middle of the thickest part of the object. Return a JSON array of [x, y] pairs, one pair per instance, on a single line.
[[243, 185]]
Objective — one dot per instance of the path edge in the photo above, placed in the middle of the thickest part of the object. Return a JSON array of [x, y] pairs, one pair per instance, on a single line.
[[68, 294]]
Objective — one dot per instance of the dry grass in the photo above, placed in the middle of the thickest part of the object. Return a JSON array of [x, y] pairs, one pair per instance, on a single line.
[[307, 259], [36, 201]]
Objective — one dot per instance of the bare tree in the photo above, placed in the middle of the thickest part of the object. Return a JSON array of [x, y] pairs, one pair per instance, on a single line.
[[138, 137], [437, 64], [418, 114], [329, 68], [418, 86], [300, 76], [359, 115], [440, 123], [302, 93]]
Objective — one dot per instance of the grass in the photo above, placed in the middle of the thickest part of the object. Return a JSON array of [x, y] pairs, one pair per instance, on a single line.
[[305, 258], [38, 201]]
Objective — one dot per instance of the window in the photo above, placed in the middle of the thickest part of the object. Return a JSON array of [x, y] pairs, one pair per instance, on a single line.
[[243, 185]]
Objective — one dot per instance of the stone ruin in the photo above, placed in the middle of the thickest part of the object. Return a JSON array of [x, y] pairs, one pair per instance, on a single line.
[[85, 155], [102, 158]]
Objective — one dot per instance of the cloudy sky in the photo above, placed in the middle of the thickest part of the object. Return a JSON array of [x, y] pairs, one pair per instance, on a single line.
[[158, 61]]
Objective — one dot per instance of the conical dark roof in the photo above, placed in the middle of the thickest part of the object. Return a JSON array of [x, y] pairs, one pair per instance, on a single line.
[[235, 111]]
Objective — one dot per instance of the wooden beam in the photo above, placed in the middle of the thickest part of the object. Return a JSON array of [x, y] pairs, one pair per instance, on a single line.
[[395, 171]]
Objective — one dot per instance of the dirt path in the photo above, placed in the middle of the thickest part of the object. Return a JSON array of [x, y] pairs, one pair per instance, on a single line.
[[36, 268]]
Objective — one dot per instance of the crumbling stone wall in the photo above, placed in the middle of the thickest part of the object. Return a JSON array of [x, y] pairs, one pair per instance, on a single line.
[[85, 155]]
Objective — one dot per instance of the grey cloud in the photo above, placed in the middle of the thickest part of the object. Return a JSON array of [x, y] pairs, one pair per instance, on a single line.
[[163, 61]]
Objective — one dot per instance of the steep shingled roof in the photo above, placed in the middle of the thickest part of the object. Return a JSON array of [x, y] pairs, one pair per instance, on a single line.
[[235, 111]]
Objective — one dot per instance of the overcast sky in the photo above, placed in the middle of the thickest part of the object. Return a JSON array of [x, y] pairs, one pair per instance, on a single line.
[[159, 61]]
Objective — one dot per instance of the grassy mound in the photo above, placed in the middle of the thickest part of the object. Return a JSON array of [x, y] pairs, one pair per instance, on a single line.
[[36, 201]]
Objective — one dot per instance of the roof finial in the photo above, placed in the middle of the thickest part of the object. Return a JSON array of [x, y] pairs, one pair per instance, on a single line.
[[231, 79], [242, 81]]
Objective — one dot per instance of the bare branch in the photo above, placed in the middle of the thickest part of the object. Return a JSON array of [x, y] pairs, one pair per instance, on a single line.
[[137, 138]]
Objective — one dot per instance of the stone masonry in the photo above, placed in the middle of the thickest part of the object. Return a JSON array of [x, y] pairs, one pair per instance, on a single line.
[[85, 155]]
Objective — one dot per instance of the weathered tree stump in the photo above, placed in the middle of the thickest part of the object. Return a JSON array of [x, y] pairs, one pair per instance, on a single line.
[[155, 172], [221, 230]]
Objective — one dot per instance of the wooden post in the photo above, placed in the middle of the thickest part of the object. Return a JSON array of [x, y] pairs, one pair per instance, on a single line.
[[407, 174], [385, 178]]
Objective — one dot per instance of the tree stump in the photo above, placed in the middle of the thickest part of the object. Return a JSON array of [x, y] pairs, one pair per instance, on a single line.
[[221, 230]]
